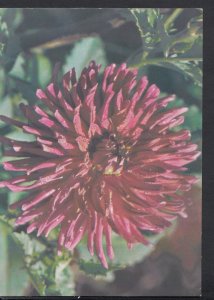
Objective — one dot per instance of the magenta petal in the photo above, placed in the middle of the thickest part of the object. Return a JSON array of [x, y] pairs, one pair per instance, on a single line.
[[104, 159], [37, 199], [98, 244], [110, 251]]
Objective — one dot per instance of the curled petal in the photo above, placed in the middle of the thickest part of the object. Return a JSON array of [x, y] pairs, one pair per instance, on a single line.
[[105, 159]]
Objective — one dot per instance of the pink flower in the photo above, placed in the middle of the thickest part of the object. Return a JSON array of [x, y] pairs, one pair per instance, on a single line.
[[104, 159]]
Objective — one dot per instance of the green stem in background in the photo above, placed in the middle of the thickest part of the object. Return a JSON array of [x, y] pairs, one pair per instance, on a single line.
[[158, 60], [169, 21]]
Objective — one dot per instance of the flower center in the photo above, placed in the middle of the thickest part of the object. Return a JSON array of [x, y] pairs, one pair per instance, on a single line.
[[108, 154]]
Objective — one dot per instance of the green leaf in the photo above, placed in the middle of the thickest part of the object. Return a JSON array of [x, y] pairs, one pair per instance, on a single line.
[[24, 87], [6, 108], [37, 282], [18, 67], [3, 34], [152, 15], [92, 267], [19, 135], [177, 50], [150, 24], [29, 245], [10, 43], [83, 52], [44, 70], [13, 17], [39, 70], [12, 50], [14, 197], [128, 257], [195, 91], [50, 274], [32, 249], [64, 279], [188, 69], [14, 279], [193, 118]]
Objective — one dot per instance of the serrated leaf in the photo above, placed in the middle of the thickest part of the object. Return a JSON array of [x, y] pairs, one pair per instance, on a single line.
[[32, 249], [160, 47], [64, 279], [29, 245], [151, 28], [37, 282], [83, 52], [50, 274]]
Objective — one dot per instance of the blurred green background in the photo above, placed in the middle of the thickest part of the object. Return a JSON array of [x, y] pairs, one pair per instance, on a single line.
[[166, 45]]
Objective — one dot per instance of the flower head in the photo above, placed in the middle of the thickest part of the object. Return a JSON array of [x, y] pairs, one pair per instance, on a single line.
[[104, 158]]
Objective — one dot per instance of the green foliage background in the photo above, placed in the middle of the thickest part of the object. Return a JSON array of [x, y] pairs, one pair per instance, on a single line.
[[169, 51]]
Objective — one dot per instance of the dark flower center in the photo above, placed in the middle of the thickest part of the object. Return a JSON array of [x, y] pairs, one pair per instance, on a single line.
[[108, 153]]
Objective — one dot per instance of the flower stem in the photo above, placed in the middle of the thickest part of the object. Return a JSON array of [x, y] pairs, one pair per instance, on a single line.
[[169, 21]]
